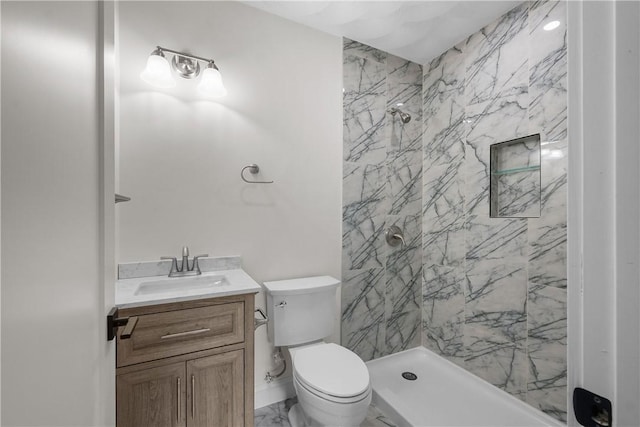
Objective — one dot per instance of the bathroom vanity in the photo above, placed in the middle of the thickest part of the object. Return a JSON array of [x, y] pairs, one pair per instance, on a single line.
[[189, 359]]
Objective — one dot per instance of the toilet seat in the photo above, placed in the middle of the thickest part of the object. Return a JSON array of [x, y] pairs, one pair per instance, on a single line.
[[332, 372], [330, 398]]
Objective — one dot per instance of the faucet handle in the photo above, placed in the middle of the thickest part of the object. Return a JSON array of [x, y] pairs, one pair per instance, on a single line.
[[394, 236], [195, 266], [185, 251], [174, 264]]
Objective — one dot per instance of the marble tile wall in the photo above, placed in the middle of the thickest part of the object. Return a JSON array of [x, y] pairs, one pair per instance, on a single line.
[[381, 285], [494, 289]]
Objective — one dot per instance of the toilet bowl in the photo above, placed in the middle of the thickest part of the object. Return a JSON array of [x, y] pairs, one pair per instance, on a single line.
[[332, 383]]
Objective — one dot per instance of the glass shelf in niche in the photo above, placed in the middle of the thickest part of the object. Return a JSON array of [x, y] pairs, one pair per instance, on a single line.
[[514, 190]]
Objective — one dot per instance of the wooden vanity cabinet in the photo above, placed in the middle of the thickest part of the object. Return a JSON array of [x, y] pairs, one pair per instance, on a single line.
[[152, 397], [187, 364]]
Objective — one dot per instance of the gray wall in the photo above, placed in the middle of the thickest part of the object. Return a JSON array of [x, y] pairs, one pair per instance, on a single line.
[[382, 172], [495, 289]]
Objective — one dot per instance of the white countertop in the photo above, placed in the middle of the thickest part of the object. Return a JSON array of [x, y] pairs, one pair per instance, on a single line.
[[239, 283]]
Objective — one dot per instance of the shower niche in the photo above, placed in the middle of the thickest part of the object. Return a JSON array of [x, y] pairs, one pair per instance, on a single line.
[[515, 181]]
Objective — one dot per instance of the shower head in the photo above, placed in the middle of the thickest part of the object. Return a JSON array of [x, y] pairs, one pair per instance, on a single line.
[[405, 117]]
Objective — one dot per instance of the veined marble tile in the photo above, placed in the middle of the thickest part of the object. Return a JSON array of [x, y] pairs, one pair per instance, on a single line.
[[491, 122], [219, 263], [404, 268], [364, 110], [444, 78], [547, 235], [551, 400], [132, 270], [352, 47], [488, 123], [275, 415], [405, 188], [494, 238], [443, 217], [365, 203], [512, 84], [443, 199], [402, 71], [518, 194], [553, 169], [404, 86], [443, 132], [363, 312], [496, 299], [548, 70], [364, 191], [547, 253], [363, 243], [443, 243], [501, 364], [547, 350], [406, 150], [523, 153], [403, 331], [443, 311], [497, 58], [404, 138], [547, 321], [443, 100]]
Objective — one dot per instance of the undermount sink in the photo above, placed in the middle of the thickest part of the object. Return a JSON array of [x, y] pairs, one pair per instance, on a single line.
[[181, 284]]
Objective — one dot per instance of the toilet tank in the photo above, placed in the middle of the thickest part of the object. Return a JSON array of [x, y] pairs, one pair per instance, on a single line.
[[301, 310]]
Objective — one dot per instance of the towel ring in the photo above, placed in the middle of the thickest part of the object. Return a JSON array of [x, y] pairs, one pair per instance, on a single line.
[[253, 169]]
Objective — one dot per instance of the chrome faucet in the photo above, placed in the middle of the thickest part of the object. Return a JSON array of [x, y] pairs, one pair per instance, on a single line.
[[184, 269]]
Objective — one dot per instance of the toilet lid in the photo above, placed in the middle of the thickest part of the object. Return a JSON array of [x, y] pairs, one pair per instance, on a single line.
[[332, 369]]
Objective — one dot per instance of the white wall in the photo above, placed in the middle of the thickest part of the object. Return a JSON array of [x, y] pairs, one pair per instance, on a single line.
[[627, 131], [604, 234], [180, 155], [55, 359], [0, 216]]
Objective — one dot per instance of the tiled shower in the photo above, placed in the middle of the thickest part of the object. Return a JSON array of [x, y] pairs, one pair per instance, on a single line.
[[382, 186], [487, 293]]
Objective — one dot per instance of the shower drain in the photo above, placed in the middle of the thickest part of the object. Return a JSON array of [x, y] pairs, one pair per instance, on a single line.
[[409, 376]]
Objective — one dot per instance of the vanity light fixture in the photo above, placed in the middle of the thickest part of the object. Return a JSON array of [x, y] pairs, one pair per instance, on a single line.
[[211, 83], [158, 71]]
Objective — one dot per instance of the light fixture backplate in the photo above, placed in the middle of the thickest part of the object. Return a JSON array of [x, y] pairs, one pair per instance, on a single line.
[[186, 68]]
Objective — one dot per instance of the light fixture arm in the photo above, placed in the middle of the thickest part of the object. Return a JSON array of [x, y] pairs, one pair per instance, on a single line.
[[188, 55]]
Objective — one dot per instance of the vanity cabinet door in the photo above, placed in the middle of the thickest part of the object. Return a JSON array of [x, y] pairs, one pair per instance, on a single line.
[[153, 397], [215, 390]]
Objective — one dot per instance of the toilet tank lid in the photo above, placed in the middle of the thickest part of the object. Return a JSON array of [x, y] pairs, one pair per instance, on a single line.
[[301, 285]]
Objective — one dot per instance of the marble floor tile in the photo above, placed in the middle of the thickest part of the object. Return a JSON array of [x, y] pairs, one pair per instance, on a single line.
[[272, 416], [276, 416]]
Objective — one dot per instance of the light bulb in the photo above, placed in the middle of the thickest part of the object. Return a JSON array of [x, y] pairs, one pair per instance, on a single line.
[[211, 83], [158, 72]]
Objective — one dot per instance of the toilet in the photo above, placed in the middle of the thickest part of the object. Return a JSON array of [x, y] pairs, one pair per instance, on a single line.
[[331, 382]]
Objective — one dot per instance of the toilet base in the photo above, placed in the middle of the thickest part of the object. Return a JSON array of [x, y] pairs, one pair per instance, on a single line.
[[296, 417]]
